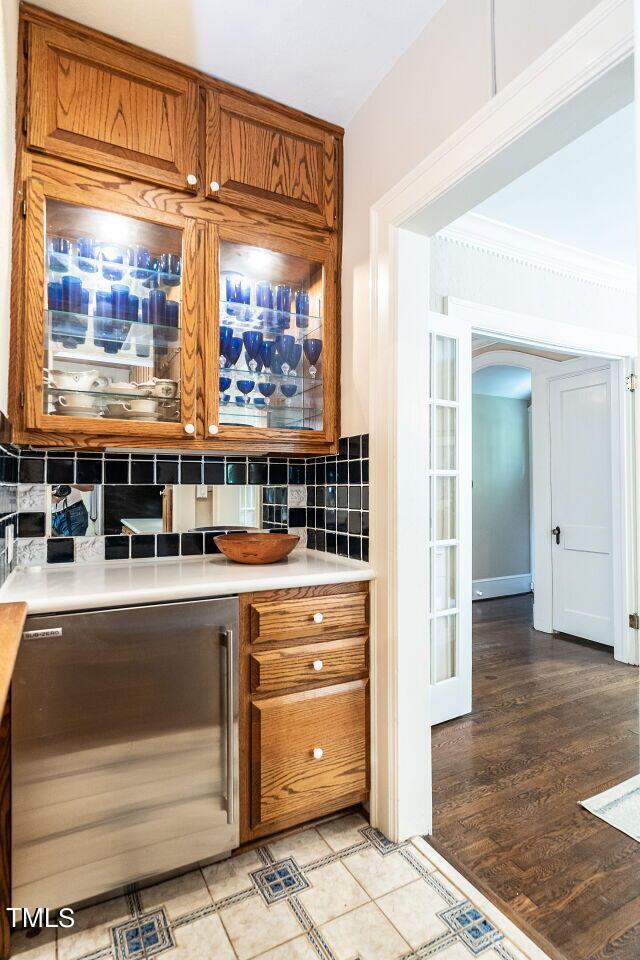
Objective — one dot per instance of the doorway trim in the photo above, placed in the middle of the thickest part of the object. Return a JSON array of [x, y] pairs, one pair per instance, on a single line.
[[582, 78]]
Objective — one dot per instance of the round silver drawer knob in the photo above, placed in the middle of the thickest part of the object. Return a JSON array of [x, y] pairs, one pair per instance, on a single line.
[[318, 617], [318, 664], [192, 179], [189, 428], [215, 186], [213, 428], [318, 753]]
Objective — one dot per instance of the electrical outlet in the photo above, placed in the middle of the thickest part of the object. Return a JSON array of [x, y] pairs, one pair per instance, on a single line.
[[202, 491]]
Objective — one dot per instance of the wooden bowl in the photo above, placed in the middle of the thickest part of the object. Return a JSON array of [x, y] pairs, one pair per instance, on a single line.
[[256, 547]]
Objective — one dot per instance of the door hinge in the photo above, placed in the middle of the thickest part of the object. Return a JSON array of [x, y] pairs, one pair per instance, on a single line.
[[24, 208], [631, 382], [21, 399], [634, 621]]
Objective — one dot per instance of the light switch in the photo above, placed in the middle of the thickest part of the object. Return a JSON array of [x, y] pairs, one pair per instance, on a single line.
[[202, 491]]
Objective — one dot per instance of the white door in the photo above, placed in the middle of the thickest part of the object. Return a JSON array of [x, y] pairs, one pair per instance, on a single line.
[[581, 505], [450, 510]]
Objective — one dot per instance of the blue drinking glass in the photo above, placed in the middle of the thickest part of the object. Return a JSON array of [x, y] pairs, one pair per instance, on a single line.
[[143, 335], [54, 304], [276, 363], [264, 298], [224, 383], [152, 274], [266, 353], [294, 357], [102, 321], [59, 249], [171, 320], [267, 389], [245, 386], [170, 268], [283, 306], [140, 261], [284, 347], [302, 308], [312, 351], [233, 351], [252, 340], [87, 254], [112, 262], [289, 390], [73, 329]]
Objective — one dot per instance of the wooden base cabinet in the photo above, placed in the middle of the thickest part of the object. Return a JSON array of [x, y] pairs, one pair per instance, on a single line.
[[304, 709]]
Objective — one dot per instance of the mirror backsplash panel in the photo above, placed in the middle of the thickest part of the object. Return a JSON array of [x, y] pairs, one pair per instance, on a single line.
[[325, 500]]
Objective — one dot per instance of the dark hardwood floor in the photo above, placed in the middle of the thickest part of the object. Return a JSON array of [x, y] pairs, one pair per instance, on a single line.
[[554, 721]]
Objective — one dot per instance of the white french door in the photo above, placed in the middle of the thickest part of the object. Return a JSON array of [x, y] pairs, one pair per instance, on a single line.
[[450, 513]]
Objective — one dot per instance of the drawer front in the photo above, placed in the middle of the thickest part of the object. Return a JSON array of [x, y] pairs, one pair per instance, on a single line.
[[295, 619], [313, 663], [287, 778], [91, 103], [264, 159]]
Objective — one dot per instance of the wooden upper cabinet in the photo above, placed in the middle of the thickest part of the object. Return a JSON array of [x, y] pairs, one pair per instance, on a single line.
[[262, 158], [97, 104]]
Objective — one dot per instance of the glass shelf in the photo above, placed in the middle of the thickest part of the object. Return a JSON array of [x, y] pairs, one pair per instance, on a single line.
[[94, 271], [94, 339], [65, 401], [275, 415], [303, 383], [246, 317]]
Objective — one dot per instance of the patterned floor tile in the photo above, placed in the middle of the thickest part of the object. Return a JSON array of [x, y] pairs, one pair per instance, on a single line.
[[365, 933], [254, 928], [279, 880], [178, 896], [93, 929], [231, 876], [203, 939], [413, 910], [298, 949], [332, 893], [143, 936], [379, 874], [305, 847], [343, 831], [471, 926]]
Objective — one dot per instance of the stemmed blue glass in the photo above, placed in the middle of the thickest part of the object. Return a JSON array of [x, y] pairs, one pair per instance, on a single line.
[[284, 347], [226, 333], [252, 340], [302, 308], [289, 390], [312, 351], [245, 387], [294, 358], [266, 389], [225, 383], [266, 353], [233, 350]]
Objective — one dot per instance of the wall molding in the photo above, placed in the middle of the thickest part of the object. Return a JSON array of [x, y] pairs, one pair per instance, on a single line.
[[512, 244], [490, 587]]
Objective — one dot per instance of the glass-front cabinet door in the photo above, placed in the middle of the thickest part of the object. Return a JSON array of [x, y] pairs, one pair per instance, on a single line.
[[275, 350], [111, 343]]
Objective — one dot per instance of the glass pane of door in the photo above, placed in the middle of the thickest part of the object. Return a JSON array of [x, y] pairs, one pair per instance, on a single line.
[[443, 648], [112, 337], [271, 339]]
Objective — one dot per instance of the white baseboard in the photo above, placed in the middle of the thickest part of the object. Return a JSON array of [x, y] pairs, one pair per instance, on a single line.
[[501, 586]]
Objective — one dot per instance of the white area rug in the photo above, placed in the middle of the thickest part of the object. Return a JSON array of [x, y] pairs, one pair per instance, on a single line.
[[619, 806]]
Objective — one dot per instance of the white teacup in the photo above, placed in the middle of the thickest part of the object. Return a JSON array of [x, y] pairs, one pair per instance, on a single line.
[[75, 401], [123, 386], [157, 387], [64, 380], [142, 405]]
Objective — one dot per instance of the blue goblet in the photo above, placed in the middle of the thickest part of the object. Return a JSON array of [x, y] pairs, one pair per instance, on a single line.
[[233, 351], [289, 390], [245, 386], [284, 346], [312, 351], [266, 389], [302, 308], [226, 333], [252, 340], [266, 353], [224, 383], [294, 358]]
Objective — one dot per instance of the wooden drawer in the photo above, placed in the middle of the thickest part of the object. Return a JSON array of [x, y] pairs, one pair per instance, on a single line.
[[292, 667], [92, 103], [273, 620], [288, 781], [262, 158]]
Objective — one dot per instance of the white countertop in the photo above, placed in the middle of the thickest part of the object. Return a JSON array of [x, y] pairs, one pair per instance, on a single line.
[[142, 524], [82, 586]]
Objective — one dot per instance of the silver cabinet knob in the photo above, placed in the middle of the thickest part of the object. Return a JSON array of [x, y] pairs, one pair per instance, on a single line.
[[192, 179], [213, 428], [318, 753], [318, 664], [189, 428], [318, 617], [215, 186]]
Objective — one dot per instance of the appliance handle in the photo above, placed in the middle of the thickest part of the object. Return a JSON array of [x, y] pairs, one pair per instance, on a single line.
[[227, 642]]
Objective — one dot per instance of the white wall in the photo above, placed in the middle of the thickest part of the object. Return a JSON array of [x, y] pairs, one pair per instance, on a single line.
[[8, 61], [441, 81]]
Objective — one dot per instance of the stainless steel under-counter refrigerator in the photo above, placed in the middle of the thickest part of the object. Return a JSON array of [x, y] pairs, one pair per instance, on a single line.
[[124, 747]]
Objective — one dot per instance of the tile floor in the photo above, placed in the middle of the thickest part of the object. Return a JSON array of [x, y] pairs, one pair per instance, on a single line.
[[340, 891]]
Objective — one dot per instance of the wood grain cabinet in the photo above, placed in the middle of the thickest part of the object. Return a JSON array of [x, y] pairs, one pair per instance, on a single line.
[[97, 104], [148, 308], [263, 158], [304, 711]]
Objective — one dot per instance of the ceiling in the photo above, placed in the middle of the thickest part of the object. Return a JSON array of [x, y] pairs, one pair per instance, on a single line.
[[583, 195], [323, 58], [502, 380]]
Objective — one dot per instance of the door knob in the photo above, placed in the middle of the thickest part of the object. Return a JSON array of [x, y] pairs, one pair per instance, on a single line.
[[318, 617], [189, 428], [192, 179], [556, 533], [213, 428], [318, 753], [318, 664], [215, 186]]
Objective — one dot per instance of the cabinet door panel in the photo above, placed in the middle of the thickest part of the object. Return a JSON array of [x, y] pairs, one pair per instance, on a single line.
[[95, 104], [266, 160], [287, 778]]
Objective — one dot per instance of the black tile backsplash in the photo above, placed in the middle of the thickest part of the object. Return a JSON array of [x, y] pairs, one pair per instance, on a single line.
[[9, 472], [326, 498]]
